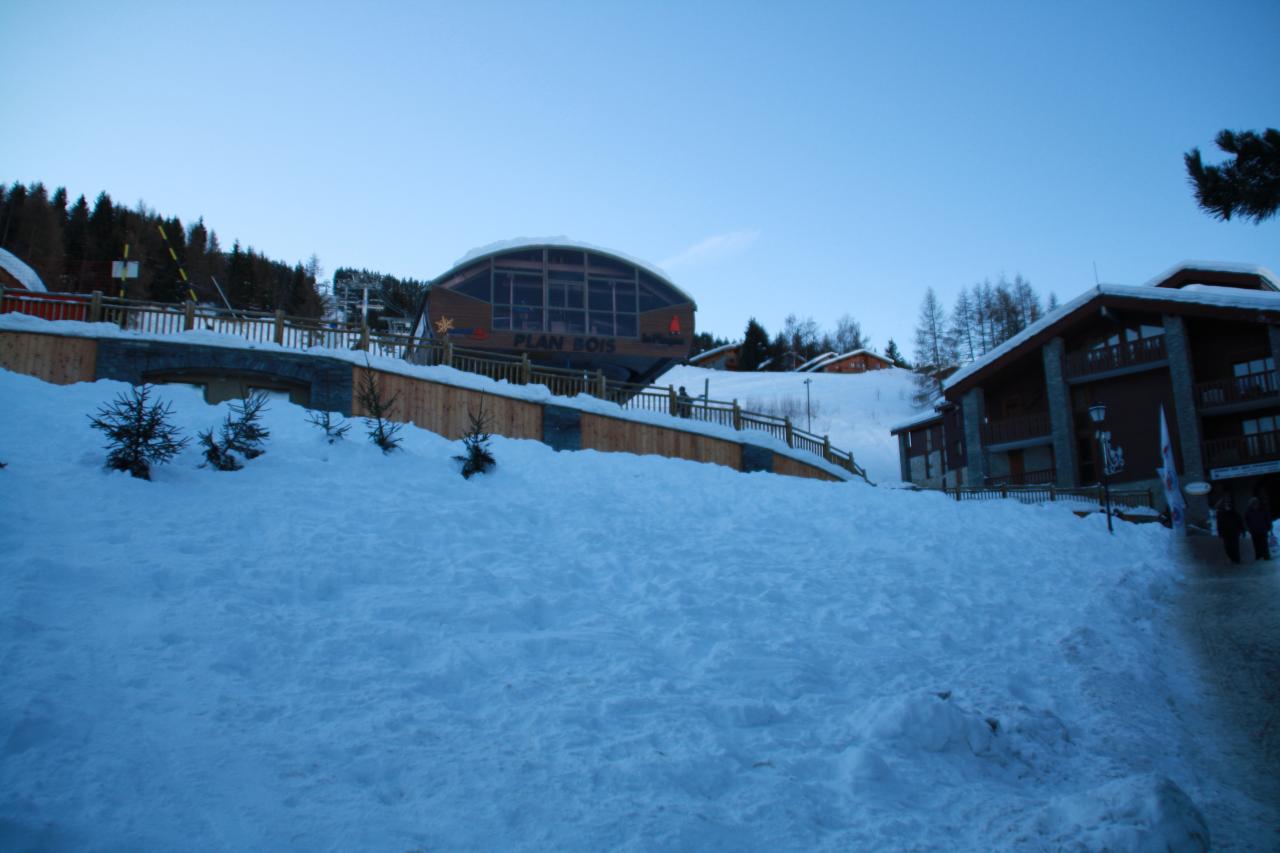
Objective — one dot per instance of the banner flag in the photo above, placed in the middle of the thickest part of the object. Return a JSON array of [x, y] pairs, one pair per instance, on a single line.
[[1169, 476]]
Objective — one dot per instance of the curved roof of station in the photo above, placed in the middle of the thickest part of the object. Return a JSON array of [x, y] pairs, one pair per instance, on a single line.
[[522, 243]]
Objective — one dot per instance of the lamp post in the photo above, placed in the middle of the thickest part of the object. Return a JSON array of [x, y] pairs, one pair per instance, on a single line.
[[1098, 414], [808, 409]]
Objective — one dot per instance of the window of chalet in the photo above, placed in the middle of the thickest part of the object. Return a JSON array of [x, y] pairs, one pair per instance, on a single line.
[[1254, 377], [1260, 434], [1130, 334]]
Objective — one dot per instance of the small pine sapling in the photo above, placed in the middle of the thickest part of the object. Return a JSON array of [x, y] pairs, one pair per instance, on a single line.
[[217, 455], [478, 458], [377, 412], [138, 432], [246, 434], [334, 430]]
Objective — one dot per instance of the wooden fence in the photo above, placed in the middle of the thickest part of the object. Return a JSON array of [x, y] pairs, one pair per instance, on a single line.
[[1122, 498], [302, 333]]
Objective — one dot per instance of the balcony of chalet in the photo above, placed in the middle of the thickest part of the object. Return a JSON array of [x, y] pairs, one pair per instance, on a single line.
[[1124, 357], [1238, 393], [1024, 431], [1242, 449]]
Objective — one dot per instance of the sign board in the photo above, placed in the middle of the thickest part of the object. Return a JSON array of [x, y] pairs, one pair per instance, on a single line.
[[124, 269], [1244, 470], [1197, 489]]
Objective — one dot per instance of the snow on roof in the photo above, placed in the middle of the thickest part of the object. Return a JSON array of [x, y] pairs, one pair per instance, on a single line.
[[1221, 297], [815, 361], [25, 275], [923, 417], [518, 243], [1216, 266], [852, 353], [703, 356]]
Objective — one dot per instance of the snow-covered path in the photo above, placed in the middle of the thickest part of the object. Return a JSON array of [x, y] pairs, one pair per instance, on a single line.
[[1230, 619]]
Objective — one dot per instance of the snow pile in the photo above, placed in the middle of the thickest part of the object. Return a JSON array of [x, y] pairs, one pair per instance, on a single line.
[[336, 649]]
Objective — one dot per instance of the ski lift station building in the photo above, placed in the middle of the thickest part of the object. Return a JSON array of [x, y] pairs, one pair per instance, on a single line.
[[564, 304]]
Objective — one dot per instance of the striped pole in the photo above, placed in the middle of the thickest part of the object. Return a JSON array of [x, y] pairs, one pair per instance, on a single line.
[[182, 272]]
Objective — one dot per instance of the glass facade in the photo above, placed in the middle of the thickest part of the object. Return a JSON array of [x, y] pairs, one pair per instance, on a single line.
[[566, 291]]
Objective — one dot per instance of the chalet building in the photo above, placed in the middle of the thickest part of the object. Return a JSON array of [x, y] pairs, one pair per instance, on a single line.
[[16, 275], [563, 305], [858, 361], [721, 358], [1200, 341]]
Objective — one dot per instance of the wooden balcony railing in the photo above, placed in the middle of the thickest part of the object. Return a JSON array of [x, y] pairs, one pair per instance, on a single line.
[[1045, 476], [1237, 389], [1242, 449], [1104, 359], [1016, 429]]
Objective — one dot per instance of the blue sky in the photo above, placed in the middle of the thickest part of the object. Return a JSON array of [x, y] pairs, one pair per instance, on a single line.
[[815, 158]]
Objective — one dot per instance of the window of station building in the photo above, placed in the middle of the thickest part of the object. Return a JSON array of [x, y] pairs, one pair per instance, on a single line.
[[611, 305], [518, 303], [566, 303], [566, 257], [529, 256], [475, 285]]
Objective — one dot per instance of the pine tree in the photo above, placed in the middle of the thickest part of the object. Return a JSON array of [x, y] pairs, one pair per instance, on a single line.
[[1248, 185], [894, 354], [245, 433], [378, 409], [755, 347], [478, 458], [138, 432], [334, 430], [933, 353]]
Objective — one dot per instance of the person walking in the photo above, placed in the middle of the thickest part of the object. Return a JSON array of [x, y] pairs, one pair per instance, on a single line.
[[1258, 521], [1230, 528]]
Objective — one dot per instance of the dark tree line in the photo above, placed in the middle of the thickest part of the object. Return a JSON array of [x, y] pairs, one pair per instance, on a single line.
[[797, 342], [985, 315], [71, 246]]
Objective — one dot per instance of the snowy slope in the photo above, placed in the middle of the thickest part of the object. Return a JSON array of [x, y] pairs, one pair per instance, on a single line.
[[856, 410], [339, 650]]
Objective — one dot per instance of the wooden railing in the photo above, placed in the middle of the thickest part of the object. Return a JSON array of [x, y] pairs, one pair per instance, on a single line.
[[303, 333], [1124, 498], [1237, 389], [1242, 449], [1016, 429], [1105, 359], [1026, 478]]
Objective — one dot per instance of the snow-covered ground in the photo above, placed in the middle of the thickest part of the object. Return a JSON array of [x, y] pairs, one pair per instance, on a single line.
[[855, 410], [335, 649]]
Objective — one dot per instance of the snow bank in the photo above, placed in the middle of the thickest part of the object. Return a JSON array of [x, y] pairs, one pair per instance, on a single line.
[[336, 649]]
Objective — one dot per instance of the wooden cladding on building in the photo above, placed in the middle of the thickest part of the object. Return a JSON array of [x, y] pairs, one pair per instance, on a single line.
[[53, 358], [444, 409]]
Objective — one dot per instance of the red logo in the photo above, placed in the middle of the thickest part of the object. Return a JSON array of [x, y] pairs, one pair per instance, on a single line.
[[674, 328]]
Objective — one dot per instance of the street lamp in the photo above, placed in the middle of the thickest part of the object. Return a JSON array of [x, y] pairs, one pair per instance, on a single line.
[[808, 409], [1098, 414]]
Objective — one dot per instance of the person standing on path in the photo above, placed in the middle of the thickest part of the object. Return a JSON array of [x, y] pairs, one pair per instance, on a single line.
[[1258, 520], [1230, 528]]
